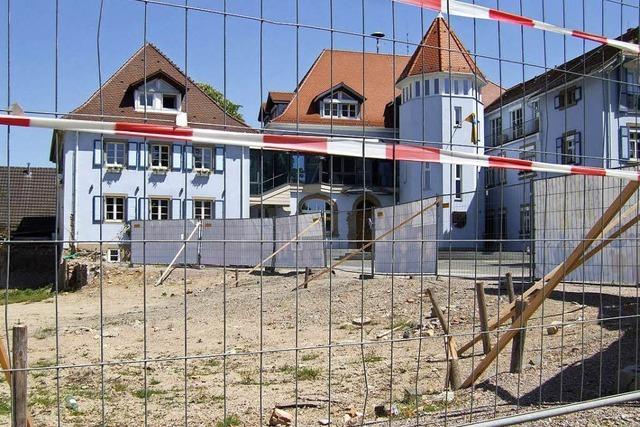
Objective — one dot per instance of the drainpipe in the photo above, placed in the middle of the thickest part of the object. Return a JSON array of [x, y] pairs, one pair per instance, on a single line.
[[74, 192]]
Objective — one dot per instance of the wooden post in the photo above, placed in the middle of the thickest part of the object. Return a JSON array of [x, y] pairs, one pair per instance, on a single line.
[[517, 346], [307, 274], [484, 319], [19, 382], [453, 375], [510, 291], [237, 275]]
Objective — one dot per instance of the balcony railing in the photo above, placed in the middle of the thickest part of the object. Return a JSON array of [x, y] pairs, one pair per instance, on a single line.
[[520, 130]]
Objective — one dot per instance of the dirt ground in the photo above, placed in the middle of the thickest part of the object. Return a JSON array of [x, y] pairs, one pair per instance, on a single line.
[[240, 345]]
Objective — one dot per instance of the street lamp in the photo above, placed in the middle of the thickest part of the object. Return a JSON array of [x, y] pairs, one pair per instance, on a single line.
[[378, 35]]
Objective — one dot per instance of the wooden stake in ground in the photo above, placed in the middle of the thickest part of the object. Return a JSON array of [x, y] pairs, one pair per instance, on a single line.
[[19, 382], [517, 347], [5, 363], [484, 319], [366, 246], [575, 258], [167, 271], [280, 249], [510, 290], [453, 375]]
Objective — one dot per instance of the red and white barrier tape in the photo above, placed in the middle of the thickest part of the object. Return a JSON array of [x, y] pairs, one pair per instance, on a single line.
[[458, 8], [350, 147]]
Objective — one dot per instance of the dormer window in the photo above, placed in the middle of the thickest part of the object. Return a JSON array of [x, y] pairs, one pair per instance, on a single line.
[[159, 97], [340, 102]]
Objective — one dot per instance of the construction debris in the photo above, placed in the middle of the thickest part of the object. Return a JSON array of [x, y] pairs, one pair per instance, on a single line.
[[554, 327], [361, 321], [352, 418], [280, 418]]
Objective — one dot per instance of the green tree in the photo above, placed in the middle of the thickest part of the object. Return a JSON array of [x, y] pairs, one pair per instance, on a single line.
[[230, 107]]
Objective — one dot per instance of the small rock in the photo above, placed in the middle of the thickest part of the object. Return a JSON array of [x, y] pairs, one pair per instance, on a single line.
[[554, 327], [446, 396], [427, 333], [406, 334], [280, 418], [361, 321], [410, 300], [352, 419], [324, 422], [381, 410]]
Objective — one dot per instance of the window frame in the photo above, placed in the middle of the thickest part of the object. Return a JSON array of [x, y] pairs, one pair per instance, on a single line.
[[110, 251], [567, 97], [152, 214], [575, 138], [111, 208], [457, 185], [525, 218], [107, 144], [636, 141], [168, 155], [202, 208], [457, 118], [202, 167]]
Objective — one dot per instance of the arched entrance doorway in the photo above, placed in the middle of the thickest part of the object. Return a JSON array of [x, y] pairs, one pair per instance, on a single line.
[[362, 222], [319, 203]]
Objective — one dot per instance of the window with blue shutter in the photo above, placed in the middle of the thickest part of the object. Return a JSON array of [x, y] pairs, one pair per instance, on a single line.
[[176, 162], [97, 152], [176, 207], [143, 208], [188, 209], [132, 159], [143, 157]]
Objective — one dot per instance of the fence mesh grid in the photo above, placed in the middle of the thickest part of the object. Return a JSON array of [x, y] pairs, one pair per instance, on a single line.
[[344, 270]]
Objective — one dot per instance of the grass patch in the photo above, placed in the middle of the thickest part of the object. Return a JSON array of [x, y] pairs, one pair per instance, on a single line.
[[42, 398], [5, 406], [246, 378], [119, 386], [304, 373], [43, 363], [231, 420], [310, 356], [372, 358], [142, 393], [15, 296], [212, 362], [154, 381]]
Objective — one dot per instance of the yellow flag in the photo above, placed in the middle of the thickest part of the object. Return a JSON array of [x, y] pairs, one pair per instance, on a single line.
[[471, 118]]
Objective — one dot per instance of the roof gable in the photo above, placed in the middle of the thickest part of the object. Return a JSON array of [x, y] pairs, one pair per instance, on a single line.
[[114, 100], [340, 87], [440, 51]]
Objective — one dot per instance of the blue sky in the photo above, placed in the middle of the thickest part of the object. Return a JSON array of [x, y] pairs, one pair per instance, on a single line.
[[285, 61]]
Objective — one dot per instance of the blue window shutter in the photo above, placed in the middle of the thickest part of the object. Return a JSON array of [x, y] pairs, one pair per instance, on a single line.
[[219, 159], [219, 209], [143, 210], [578, 146], [97, 152], [131, 209], [175, 208], [144, 158], [188, 157], [132, 155], [97, 209], [578, 94], [556, 102], [176, 162], [624, 143], [188, 209]]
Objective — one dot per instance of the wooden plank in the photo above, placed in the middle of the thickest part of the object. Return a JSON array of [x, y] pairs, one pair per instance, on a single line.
[[453, 374], [484, 319], [572, 261], [510, 290], [366, 246], [19, 383], [167, 271]]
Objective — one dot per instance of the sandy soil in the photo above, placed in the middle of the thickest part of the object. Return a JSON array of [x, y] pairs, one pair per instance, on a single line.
[[261, 322]]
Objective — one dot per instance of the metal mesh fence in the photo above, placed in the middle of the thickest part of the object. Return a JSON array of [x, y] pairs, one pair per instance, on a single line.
[[302, 212]]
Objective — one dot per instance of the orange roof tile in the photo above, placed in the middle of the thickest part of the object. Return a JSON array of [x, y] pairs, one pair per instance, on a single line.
[[376, 84], [440, 51]]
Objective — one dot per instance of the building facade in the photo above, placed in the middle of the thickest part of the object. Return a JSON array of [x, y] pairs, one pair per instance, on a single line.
[[109, 181], [583, 112]]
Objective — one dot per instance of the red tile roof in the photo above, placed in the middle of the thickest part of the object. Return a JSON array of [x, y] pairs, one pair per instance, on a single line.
[[118, 102], [440, 51], [332, 67]]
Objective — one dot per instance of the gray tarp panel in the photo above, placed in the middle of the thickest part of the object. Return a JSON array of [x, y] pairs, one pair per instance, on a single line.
[[309, 254], [404, 257], [565, 208], [162, 252], [244, 254]]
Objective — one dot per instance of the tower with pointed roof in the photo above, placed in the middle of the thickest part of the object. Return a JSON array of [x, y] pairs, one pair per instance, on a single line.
[[441, 106]]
